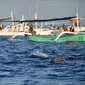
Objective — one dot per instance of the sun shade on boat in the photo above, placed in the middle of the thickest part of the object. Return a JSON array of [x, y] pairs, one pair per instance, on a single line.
[[42, 20], [1, 20]]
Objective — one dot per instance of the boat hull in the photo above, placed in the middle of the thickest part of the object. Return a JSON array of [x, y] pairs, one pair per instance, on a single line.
[[41, 38], [73, 37], [66, 37]]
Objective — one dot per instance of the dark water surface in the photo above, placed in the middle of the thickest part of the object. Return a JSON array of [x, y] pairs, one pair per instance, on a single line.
[[21, 63]]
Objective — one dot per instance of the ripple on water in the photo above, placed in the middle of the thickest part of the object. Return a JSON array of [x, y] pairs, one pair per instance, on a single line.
[[19, 67]]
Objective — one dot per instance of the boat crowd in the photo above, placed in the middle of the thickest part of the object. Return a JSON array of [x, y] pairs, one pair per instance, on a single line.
[[30, 28]]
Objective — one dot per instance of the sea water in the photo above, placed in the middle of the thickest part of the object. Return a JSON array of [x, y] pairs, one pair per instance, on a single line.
[[25, 62]]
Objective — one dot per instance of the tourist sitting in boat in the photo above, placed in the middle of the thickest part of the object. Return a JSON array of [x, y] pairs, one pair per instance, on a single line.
[[60, 29], [65, 28], [9, 28], [31, 30], [76, 24], [1, 27], [19, 27]]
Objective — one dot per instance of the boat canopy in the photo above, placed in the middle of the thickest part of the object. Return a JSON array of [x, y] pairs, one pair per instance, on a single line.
[[42, 20], [2, 20]]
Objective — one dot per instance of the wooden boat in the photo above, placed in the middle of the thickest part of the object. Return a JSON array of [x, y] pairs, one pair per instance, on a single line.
[[64, 36]]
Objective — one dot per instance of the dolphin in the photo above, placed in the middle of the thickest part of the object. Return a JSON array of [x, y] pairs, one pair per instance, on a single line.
[[39, 54], [57, 60]]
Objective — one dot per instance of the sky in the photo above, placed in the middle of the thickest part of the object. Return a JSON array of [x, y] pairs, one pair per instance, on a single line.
[[46, 8]]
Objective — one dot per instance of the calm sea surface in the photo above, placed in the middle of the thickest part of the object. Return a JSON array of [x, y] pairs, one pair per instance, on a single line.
[[29, 63]]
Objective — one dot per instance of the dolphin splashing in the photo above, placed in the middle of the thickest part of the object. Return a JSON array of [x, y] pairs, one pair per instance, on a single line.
[[39, 54]]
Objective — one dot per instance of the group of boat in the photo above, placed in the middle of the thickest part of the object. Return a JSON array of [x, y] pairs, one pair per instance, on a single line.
[[61, 33]]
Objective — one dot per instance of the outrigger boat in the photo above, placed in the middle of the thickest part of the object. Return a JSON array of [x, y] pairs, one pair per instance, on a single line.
[[64, 36]]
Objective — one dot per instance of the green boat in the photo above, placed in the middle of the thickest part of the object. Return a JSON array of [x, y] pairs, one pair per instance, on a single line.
[[64, 36]]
